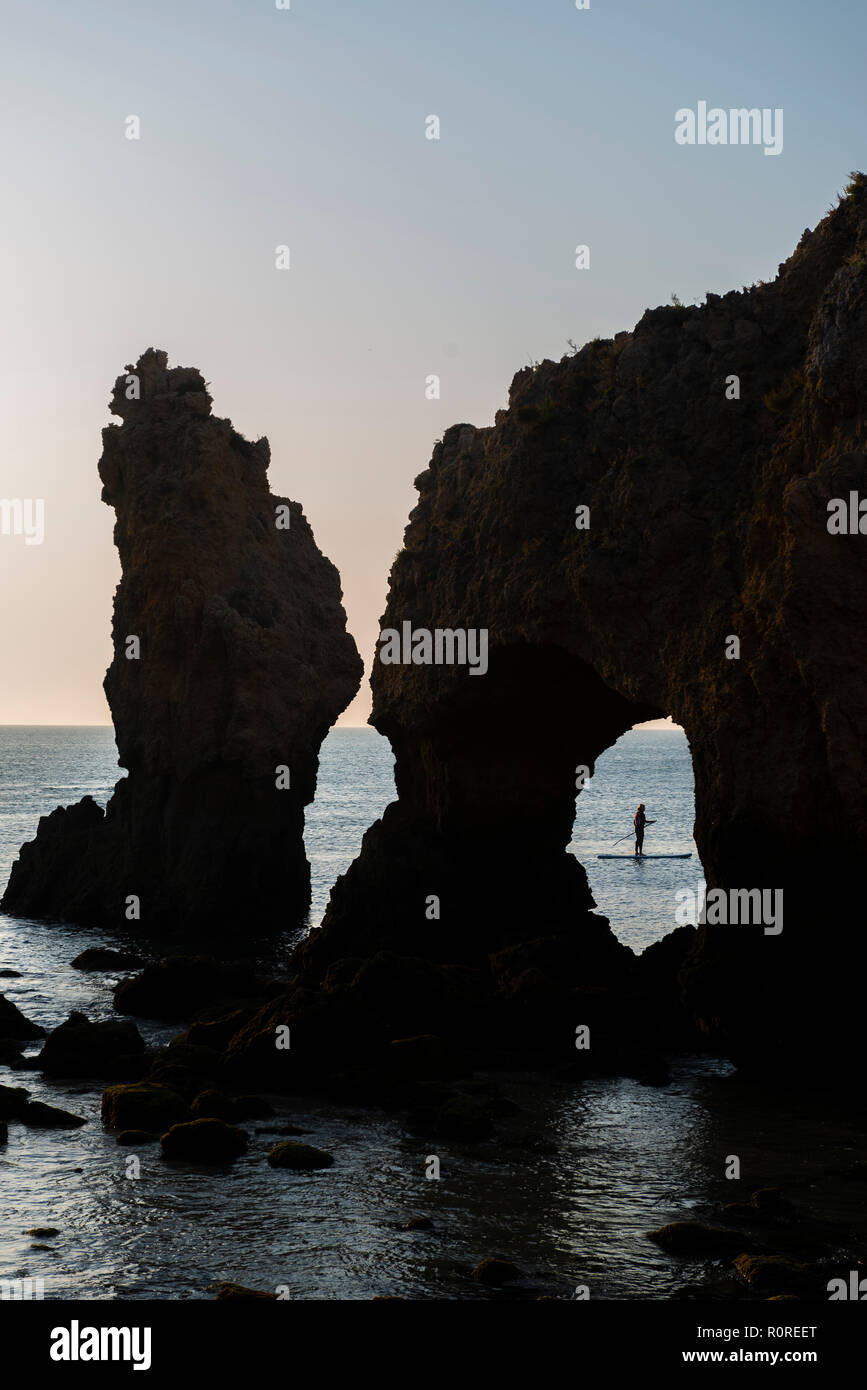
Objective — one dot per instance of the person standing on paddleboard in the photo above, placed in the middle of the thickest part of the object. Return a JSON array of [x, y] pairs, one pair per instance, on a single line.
[[640, 821]]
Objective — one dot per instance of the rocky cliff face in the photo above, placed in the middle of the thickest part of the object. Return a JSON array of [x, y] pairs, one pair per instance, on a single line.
[[231, 660], [708, 520]]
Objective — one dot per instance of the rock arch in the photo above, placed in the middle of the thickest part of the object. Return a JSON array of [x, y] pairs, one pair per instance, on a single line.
[[707, 520]]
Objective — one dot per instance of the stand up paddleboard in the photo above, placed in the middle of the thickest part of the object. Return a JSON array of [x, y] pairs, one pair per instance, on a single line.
[[644, 856]]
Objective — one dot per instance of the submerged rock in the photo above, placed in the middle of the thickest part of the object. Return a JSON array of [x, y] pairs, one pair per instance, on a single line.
[[231, 661], [302, 1157], [495, 1271], [418, 1223]]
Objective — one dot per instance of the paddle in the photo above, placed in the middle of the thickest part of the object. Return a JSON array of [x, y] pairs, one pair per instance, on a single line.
[[630, 835]]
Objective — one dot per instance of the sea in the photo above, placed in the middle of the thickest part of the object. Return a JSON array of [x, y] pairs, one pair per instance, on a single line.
[[569, 1197]]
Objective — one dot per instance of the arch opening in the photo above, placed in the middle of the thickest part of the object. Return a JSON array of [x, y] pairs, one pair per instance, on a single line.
[[642, 898]]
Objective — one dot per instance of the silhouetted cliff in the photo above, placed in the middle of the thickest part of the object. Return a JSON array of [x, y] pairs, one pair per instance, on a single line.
[[707, 445], [231, 660]]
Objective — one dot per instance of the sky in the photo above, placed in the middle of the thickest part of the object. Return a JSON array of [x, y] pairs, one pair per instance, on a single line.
[[306, 127]]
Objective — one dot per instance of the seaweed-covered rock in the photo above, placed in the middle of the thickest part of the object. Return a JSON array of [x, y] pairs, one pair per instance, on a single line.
[[142, 1105]]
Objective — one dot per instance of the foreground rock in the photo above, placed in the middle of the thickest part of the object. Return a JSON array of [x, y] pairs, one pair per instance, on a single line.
[[145, 1106], [81, 1048], [204, 1141], [13, 1024], [36, 1115], [708, 447], [13, 1101], [231, 661]]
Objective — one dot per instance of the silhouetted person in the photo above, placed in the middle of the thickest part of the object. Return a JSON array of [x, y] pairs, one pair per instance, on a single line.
[[640, 821]]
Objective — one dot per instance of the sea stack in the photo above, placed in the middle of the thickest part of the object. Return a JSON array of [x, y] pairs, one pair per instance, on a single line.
[[655, 526], [231, 662]]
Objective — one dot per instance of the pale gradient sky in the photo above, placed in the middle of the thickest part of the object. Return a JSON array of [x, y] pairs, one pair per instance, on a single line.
[[409, 256]]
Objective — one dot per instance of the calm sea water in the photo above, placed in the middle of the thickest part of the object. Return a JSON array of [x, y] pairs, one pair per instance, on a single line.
[[619, 1158]]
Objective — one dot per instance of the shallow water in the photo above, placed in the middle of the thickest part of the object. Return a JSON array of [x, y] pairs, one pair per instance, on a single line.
[[619, 1158]]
